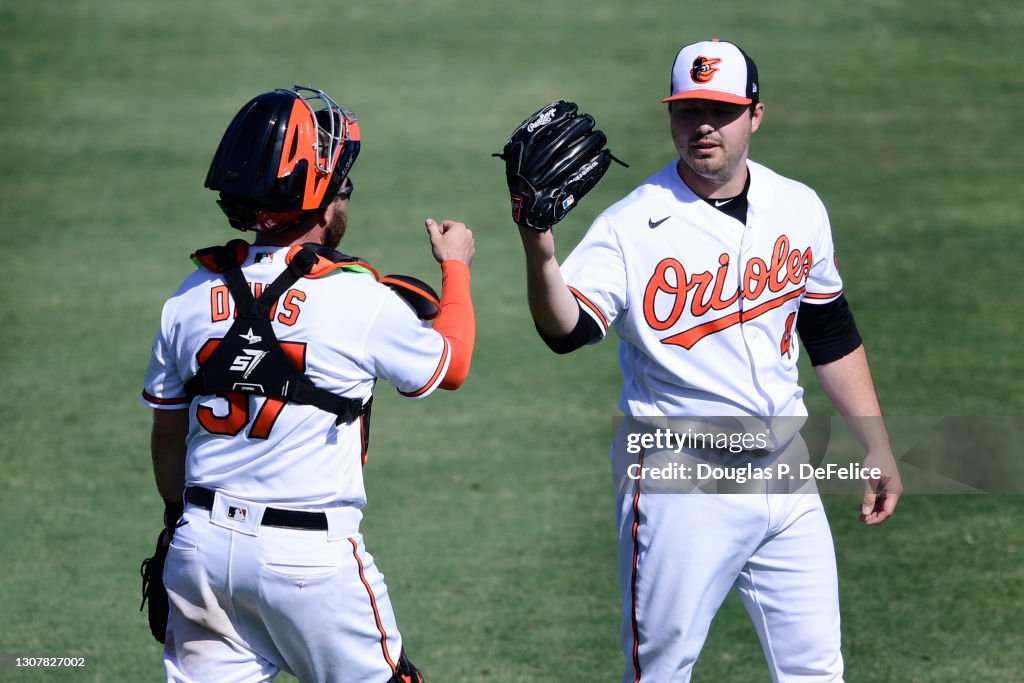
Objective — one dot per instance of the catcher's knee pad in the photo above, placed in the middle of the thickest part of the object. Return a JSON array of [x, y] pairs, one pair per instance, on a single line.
[[406, 672]]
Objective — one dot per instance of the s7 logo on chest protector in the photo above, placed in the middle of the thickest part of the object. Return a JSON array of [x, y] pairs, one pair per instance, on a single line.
[[237, 416], [671, 288], [248, 361]]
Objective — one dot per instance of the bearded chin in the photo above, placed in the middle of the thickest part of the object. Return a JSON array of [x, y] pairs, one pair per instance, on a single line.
[[335, 229]]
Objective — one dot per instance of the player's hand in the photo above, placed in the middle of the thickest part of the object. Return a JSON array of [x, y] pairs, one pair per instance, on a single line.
[[881, 494], [450, 240]]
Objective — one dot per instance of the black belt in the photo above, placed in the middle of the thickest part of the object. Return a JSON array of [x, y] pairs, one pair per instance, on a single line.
[[291, 519]]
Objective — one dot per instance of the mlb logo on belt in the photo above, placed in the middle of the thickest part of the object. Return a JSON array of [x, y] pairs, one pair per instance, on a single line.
[[237, 514]]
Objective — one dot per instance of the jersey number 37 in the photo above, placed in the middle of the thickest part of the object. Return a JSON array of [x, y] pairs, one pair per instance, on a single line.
[[238, 413]]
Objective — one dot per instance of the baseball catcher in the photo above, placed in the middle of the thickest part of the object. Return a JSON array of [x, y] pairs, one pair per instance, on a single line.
[[553, 159], [261, 378]]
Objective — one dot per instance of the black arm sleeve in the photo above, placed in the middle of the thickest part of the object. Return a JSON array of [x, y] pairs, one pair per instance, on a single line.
[[827, 331], [586, 332]]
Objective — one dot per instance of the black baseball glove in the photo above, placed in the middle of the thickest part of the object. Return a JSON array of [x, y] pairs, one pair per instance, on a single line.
[[152, 571], [553, 159]]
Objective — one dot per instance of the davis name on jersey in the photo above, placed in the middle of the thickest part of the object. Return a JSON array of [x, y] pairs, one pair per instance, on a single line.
[[342, 329], [702, 303]]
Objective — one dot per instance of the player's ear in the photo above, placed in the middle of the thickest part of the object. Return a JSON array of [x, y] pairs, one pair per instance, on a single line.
[[756, 115]]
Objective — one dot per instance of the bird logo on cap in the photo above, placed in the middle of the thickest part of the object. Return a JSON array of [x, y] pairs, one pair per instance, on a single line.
[[704, 69]]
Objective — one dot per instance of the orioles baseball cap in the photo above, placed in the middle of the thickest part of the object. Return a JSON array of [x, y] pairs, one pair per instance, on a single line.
[[714, 70]]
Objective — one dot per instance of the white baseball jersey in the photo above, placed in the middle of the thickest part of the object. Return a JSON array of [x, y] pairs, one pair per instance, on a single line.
[[705, 307], [345, 330]]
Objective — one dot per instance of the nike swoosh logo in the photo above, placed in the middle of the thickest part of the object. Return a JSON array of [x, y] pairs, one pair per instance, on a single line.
[[652, 224], [723, 202]]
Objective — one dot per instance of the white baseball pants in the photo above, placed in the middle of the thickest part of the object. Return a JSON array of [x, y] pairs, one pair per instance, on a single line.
[[680, 554], [248, 601]]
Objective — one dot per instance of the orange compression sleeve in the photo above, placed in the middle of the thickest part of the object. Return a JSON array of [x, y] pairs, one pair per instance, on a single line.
[[456, 321]]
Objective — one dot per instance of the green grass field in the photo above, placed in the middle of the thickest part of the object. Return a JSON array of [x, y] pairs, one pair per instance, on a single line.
[[490, 509]]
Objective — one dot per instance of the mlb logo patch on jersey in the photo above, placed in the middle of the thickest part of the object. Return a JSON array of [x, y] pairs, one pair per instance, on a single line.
[[265, 257], [237, 514]]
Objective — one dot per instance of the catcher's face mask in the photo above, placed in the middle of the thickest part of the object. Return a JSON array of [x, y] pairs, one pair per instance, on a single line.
[[285, 152]]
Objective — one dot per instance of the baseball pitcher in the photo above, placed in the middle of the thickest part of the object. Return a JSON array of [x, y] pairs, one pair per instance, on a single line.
[[713, 272]]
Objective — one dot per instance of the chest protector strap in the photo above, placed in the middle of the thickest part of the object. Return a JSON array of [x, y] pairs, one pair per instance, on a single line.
[[249, 359]]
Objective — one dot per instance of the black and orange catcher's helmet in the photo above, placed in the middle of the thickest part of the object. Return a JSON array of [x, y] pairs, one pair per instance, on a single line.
[[285, 153]]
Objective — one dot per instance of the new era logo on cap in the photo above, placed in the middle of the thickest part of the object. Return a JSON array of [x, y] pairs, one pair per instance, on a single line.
[[714, 70]]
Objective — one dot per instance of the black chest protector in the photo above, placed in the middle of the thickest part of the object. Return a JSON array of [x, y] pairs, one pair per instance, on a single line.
[[250, 359]]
